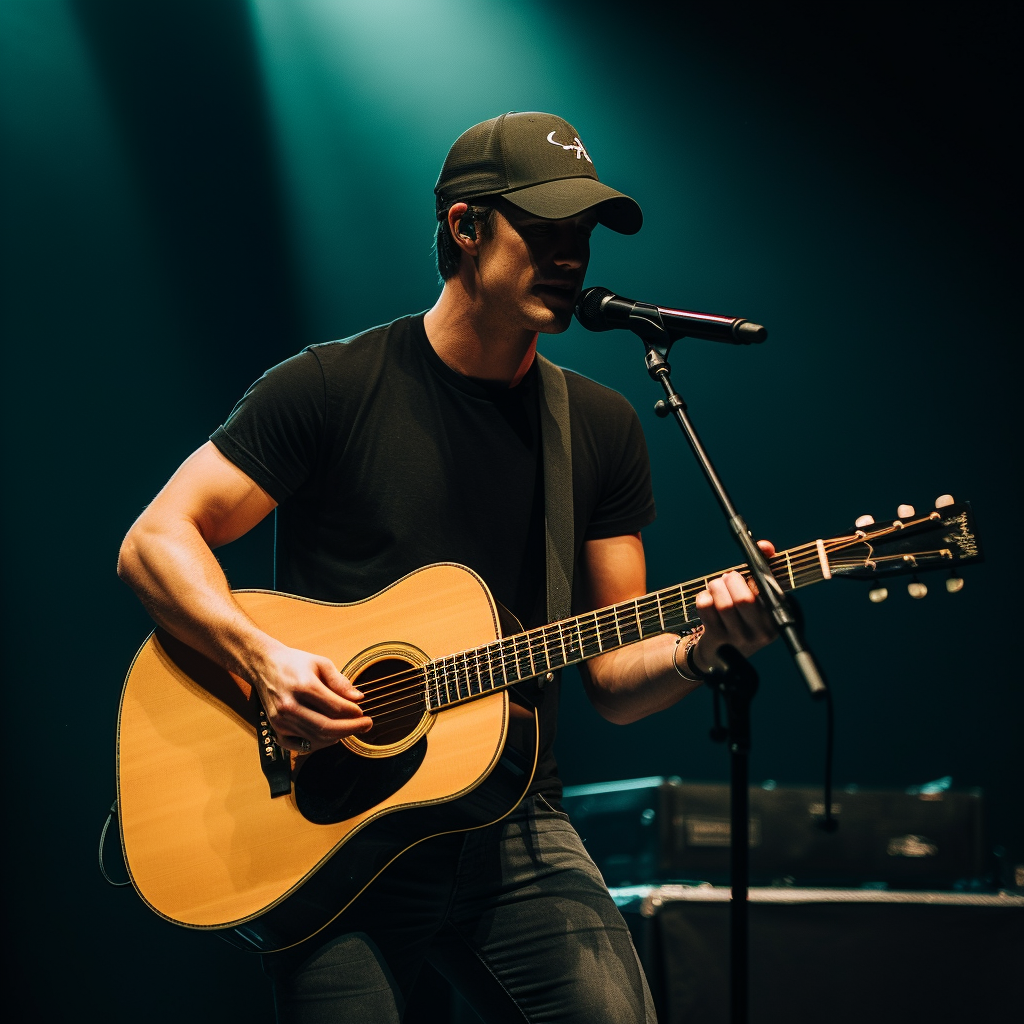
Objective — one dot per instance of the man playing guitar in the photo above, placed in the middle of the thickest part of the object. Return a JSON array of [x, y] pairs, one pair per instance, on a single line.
[[419, 442]]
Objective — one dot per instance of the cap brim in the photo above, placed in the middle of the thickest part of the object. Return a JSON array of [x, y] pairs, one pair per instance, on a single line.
[[568, 197]]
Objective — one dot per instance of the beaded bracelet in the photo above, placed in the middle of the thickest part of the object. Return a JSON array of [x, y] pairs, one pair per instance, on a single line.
[[697, 675]]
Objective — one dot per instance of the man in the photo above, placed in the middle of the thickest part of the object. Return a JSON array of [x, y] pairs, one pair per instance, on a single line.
[[420, 442]]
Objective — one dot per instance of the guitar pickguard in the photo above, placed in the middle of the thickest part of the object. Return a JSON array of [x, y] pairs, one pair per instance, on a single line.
[[335, 784]]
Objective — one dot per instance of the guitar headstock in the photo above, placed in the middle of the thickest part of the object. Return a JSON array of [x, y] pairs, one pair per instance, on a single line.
[[943, 538]]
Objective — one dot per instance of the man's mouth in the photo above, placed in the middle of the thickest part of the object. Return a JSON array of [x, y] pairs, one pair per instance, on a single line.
[[561, 291]]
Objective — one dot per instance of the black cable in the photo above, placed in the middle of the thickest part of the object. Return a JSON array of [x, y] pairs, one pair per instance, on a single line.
[[103, 839]]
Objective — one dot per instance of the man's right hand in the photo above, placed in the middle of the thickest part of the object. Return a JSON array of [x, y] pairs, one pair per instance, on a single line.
[[307, 698], [168, 560]]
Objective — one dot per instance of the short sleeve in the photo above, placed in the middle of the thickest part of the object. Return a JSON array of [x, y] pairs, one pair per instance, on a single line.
[[626, 504], [275, 432]]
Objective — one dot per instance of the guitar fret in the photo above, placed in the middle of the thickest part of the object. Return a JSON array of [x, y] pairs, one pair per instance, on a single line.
[[588, 649], [615, 620], [530, 637], [447, 686], [627, 624], [492, 649], [517, 658], [661, 613], [650, 617], [674, 614], [517, 668], [525, 665], [561, 640], [509, 646], [455, 676], [459, 690], [432, 701]]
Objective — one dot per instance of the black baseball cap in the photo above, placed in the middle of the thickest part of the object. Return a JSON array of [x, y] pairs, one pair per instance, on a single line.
[[537, 162]]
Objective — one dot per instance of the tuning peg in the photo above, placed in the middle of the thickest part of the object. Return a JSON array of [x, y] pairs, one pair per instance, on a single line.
[[877, 595], [916, 589], [905, 512], [954, 584], [863, 521], [943, 500]]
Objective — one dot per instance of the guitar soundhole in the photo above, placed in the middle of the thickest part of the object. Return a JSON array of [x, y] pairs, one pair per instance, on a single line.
[[394, 699]]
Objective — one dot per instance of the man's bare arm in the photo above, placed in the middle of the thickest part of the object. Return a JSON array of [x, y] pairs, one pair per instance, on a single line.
[[639, 680], [167, 559]]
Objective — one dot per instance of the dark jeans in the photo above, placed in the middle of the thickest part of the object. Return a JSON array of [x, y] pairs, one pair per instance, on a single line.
[[516, 916]]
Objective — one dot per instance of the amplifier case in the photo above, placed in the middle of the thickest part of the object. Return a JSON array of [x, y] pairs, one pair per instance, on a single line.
[[841, 956], [651, 829]]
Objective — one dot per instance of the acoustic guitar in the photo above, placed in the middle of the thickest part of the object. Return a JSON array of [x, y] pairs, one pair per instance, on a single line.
[[207, 844]]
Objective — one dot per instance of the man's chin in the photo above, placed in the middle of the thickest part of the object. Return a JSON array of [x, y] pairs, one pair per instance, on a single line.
[[553, 321], [555, 328]]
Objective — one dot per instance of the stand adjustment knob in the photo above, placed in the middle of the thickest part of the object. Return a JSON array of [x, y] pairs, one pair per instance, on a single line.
[[661, 408]]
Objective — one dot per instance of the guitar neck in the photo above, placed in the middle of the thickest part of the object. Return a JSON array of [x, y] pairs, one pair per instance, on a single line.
[[473, 673]]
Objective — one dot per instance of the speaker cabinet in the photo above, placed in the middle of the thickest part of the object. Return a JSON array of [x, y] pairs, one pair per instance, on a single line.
[[832, 955]]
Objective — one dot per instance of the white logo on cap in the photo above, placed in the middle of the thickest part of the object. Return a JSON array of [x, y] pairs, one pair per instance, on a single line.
[[574, 145]]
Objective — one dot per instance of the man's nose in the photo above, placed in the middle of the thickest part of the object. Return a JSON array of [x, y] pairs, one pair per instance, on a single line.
[[572, 250]]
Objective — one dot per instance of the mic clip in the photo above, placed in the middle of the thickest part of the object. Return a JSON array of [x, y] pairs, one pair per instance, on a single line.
[[646, 323]]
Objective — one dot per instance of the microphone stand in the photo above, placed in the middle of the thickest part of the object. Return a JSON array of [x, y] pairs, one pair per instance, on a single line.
[[779, 606], [737, 682]]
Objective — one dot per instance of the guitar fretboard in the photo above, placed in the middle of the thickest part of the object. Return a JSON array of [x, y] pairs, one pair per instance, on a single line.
[[510, 660]]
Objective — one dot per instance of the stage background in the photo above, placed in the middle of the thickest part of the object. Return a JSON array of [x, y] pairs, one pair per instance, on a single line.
[[194, 190]]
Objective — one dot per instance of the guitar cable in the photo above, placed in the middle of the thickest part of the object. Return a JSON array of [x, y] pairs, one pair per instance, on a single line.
[[103, 840]]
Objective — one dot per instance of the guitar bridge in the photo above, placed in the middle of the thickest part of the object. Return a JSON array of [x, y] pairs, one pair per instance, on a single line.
[[274, 760]]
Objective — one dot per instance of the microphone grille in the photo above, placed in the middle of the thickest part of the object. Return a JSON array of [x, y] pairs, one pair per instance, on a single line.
[[588, 309]]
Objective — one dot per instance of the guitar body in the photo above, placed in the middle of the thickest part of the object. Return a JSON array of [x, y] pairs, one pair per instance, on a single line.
[[206, 845]]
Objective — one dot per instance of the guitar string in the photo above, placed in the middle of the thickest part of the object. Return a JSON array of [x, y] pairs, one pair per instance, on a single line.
[[385, 687], [412, 696], [396, 698], [604, 618]]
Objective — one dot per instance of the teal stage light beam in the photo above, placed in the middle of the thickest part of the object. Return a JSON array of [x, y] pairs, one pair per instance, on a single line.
[[366, 99]]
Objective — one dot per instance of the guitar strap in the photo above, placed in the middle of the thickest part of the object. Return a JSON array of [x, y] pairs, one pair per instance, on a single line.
[[556, 445]]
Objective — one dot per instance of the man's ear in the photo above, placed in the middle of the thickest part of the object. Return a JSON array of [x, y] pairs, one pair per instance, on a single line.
[[463, 229]]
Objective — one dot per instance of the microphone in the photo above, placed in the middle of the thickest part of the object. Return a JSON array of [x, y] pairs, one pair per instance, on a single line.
[[599, 309]]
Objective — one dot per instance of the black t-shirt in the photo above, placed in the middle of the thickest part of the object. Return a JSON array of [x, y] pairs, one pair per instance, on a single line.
[[383, 459]]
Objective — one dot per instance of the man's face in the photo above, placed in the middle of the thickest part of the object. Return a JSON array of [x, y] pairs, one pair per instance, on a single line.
[[531, 270]]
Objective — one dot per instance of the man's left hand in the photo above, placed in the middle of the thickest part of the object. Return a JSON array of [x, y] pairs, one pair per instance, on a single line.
[[732, 614]]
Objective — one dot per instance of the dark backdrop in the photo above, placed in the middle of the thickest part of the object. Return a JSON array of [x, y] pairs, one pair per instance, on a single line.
[[194, 190]]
